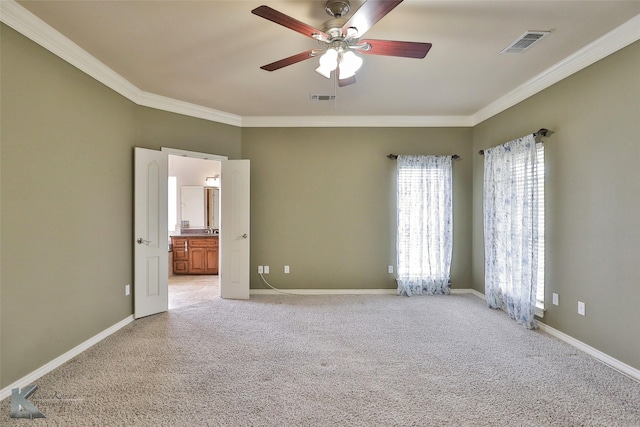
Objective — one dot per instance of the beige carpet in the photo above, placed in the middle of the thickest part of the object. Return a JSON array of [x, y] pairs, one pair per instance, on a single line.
[[333, 361]]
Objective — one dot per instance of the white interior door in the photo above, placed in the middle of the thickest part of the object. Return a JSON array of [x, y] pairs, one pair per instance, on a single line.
[[234, 229], [151, 247]]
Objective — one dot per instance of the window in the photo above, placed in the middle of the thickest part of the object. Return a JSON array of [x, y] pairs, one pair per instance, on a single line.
[[537, 243], [540, 288], [424, 239], [514, 228]]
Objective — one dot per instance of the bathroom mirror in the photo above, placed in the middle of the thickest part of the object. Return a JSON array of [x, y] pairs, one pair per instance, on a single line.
[[212, 207], [199, 206]]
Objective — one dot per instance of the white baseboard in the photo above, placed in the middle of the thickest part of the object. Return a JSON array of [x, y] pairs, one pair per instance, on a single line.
[[467, 291], [58, 361], [38, 373], [323, 292], [603, 357], [613, 363], [347, 292]]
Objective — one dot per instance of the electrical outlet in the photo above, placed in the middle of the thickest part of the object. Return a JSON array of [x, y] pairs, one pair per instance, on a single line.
[[390, 269], [286, 269], [555, 299], [260, 269], [266, 269], [127, 289], [581, 308]]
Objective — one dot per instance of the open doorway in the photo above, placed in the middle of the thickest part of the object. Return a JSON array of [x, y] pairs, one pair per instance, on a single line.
[[150, 226], [193, 226]]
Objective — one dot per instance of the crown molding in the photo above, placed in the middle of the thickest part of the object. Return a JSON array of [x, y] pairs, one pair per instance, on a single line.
[[32, 27], [172, 105], [616, 39], [356, 121]]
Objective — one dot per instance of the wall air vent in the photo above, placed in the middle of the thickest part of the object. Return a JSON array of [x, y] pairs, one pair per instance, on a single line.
[[316, 97], [525, 41]]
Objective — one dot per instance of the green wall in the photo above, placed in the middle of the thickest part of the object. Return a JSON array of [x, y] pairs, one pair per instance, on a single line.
[[66, 182], [323, 202], [592, 196]]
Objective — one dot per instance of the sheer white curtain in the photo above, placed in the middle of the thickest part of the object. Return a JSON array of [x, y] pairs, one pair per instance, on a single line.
[[425, 240], [511, 228]]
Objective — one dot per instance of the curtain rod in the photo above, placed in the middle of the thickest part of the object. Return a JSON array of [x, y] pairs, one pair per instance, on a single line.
[[395, 156], [543, 133]]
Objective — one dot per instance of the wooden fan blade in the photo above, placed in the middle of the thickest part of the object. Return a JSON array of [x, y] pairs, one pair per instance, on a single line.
[[288, 61], [369, 13], [396, 48], [286, 21]]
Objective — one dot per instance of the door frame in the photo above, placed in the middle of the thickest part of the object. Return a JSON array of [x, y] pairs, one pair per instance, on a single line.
[[167, 151], [237, 275], [194, 155]]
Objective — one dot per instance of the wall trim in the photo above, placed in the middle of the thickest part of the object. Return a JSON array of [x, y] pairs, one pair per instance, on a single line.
[[32, 27], [619, 366], [171, 105], [611, 42], [356, 121], [323, 292], [347, 292], [613, 363], [192, 154], [467, 291], [58, 361]]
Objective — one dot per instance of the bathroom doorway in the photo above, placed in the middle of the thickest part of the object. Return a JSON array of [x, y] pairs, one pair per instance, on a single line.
[[193, 209], [150, 222]]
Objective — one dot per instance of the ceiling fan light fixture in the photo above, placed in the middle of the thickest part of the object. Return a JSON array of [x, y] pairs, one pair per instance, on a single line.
[[352, 33], [349, 64], [328, 63], [340, 36], [323, 72]]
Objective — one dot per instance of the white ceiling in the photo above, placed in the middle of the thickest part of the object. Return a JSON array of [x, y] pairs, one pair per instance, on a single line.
[[208, 53]]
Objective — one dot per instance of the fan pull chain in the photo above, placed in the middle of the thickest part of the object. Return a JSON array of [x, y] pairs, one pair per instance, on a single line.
[[335, 90]]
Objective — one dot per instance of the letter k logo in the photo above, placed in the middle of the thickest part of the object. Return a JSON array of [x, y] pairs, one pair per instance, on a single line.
[[21, 407]]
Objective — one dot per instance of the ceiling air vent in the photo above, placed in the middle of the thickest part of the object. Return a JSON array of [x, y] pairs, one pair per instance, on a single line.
[[316, 97], [525, 41]]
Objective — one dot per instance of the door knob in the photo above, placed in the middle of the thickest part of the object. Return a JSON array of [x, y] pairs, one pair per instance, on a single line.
[[244, 236], [141, 241]]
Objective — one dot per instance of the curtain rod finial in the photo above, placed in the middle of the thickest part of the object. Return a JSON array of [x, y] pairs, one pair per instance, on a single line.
[[543, 133]]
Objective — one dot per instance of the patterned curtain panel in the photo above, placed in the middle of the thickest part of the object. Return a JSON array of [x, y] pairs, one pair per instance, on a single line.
[[511, 228], [425, 238]]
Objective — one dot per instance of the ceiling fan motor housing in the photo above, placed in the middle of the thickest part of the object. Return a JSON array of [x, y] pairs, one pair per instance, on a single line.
[[337, 8], [333, 27]]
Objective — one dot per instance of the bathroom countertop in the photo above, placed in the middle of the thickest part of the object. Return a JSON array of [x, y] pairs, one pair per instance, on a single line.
[[194, 233]]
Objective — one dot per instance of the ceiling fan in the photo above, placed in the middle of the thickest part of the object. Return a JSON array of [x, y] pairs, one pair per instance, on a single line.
[[339, 38]]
